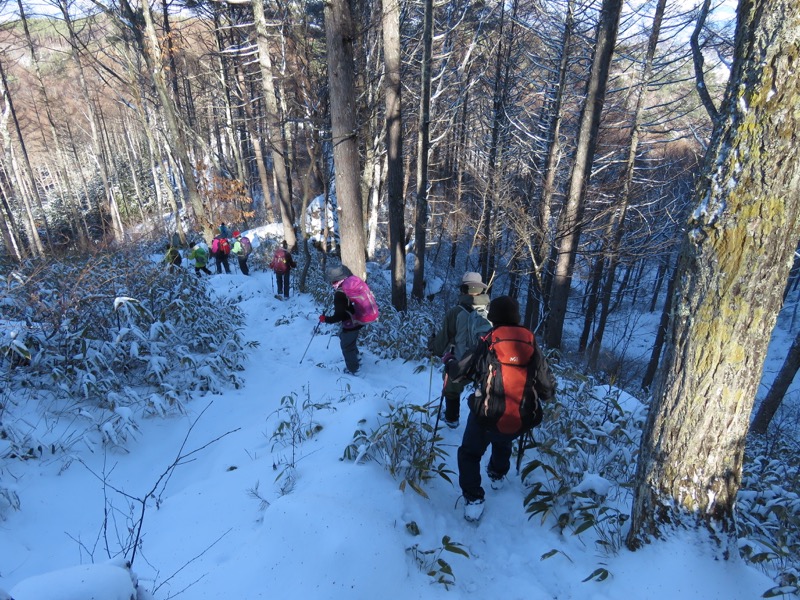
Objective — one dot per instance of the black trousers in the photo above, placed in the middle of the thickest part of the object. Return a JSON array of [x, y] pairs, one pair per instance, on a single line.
[[222, 261], [473, 446], [283, 283]]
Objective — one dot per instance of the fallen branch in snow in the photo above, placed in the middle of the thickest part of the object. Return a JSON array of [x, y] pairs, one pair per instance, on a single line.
[[186, 564], [163, 479]]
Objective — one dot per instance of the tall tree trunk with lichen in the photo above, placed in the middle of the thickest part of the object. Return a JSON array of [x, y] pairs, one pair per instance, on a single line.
[[732, 270]]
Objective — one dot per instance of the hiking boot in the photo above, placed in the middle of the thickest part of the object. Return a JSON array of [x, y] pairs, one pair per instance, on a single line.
[[495, 480], [473, 509], [451, 424]]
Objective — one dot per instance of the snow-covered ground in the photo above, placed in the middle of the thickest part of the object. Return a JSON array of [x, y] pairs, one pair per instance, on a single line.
[[232, 522]]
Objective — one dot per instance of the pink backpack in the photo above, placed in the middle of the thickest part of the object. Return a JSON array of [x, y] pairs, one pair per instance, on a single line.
[[361, 296], [279, 262]]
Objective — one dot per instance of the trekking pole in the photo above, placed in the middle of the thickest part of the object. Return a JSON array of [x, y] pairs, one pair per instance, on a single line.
[[314, 333], [529, 435], [441, 399], [438, 413], [430, 381]]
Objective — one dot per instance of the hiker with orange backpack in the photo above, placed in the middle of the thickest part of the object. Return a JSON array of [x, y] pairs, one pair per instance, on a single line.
[[512, 378], [282, 263], [353, 307]]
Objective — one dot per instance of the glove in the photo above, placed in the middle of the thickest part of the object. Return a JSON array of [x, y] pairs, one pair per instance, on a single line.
[[430, 343], [448, 356], [322, 318]]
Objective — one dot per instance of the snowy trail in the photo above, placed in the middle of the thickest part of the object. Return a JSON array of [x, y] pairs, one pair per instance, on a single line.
[[342, 531]]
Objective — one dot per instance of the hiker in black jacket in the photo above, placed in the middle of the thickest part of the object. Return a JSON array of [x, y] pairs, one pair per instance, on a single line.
[[481, 430], [353, 306]]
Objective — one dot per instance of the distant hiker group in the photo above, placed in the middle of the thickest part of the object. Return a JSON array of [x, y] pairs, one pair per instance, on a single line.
[[223, 245]]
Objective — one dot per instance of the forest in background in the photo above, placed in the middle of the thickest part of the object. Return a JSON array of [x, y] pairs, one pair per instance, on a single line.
[[108, 107]]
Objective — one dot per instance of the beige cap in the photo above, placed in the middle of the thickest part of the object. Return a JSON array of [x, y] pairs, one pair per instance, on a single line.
[[473, 282]]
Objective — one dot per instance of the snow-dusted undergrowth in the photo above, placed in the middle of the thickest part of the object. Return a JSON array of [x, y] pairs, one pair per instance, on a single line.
[[101, 342]]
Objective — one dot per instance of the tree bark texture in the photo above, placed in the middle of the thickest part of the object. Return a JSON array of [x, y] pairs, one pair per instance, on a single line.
[[732, 270], [339, 34]]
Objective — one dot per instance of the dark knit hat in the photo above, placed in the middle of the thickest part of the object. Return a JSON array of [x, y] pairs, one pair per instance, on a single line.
[[504, 310], [336, 273]]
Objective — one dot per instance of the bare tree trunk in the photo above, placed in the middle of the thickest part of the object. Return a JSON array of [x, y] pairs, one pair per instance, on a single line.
[[173, 67], [591, 301], [540, 243], [274, 128], [732, 271], [570, 220], [26, 175], [255, 137], [340, 35], [394, 149], [661, 334], [495, 160], [379, 168], [100, 156], [663, 264], [617, 218], [769, 406], [697, 56], [146, 40], [61, 168], [229, 130], [104, 157], [9, 229], [423, 145]]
